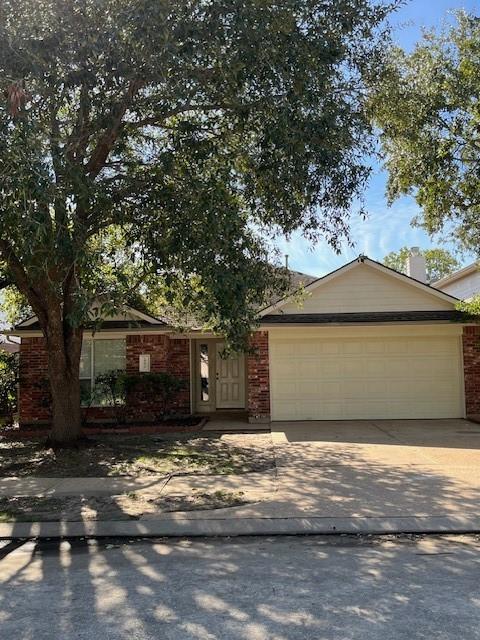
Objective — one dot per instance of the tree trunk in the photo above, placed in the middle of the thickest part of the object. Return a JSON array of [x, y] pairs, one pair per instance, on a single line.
[[64, 349]]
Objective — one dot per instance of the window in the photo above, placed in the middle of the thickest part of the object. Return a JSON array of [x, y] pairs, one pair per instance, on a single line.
[[204, 378], [99, 356]]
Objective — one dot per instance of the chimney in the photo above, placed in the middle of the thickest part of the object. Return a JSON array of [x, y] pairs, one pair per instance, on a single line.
[[416, 266]]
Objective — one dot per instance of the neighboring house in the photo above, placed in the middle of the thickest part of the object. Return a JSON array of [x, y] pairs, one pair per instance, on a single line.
[[463, 284], [8, 345], [367, 343]]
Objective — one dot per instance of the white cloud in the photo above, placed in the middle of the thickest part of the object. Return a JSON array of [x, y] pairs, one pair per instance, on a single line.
[[386, 229]]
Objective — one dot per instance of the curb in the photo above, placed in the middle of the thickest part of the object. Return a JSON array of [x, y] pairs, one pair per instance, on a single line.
[[223, 527]]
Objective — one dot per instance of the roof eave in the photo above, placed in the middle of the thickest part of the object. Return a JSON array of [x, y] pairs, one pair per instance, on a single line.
[[466, 271]]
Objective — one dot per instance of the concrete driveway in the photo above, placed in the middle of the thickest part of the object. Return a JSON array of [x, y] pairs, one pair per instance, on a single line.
[[422, 471], [379, 468]]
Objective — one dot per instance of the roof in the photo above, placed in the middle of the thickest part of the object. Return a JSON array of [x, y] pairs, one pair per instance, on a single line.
[[8, 346], [139, 320], [271, 316], [169, 318], [366, 317], [172, 317], [461, 273], [349, 265], [110, 324]]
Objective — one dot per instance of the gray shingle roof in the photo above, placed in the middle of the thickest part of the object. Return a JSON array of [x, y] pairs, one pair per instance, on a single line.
[[366, 317]]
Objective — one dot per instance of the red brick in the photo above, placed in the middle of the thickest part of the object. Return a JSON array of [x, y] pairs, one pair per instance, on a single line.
[[166, 354], [258, 378], [471, 365]]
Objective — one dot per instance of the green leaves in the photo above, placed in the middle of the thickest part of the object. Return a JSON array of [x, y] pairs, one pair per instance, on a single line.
[[162, 146], [426, 105], [8, 384], [439, 262]]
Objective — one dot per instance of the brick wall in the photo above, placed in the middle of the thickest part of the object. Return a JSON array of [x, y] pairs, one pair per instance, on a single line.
[[471, 363], [179, 365], [258, 379], [34, 396], [166, 354], [155, 345]]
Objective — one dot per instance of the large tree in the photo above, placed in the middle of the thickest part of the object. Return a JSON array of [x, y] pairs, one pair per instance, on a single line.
[[426, 104], [439, 262], [191, 132]]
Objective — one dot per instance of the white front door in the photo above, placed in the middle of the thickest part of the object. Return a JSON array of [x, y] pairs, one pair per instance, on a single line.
[[230, 380]]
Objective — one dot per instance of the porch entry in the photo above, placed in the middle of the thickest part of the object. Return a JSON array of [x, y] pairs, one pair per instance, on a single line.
[[220, 381]]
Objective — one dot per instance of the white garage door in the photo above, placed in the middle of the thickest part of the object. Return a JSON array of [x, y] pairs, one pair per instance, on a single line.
[[314, 378]]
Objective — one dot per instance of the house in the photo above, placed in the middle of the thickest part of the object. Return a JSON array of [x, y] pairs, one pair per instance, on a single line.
[[9, 346], [367, 342], [463, 284]]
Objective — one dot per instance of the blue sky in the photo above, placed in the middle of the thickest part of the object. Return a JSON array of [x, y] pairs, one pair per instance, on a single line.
[[387, 227]]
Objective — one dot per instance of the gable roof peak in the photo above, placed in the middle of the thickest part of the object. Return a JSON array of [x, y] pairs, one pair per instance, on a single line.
[[374, 264]]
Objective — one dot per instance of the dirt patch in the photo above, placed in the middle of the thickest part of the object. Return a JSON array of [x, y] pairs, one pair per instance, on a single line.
[[124, 455], [123, 507]]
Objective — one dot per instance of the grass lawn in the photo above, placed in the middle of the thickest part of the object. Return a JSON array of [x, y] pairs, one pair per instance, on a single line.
[[122, 455], [123, 507]]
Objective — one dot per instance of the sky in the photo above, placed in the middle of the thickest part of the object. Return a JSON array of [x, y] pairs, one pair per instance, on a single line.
[[387, 228]]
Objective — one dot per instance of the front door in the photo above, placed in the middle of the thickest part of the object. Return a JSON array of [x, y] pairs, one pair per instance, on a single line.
[[230, 380]]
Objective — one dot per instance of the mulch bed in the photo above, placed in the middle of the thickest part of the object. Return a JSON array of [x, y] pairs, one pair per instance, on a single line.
[[189, 424]]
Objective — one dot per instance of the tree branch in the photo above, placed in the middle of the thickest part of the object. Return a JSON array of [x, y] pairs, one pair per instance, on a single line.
[[107, 140], [21, 280], [78, 140]]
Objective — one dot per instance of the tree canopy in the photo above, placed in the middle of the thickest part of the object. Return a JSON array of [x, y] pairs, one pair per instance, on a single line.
[[167, 142], [426, 106], [439, 262]]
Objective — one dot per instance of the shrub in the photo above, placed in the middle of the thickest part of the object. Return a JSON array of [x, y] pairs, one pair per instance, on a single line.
[[8, 385], [110, 389], [155, 387]]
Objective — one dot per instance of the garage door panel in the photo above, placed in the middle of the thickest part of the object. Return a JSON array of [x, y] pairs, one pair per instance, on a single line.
[[366, 378], [353, 368]]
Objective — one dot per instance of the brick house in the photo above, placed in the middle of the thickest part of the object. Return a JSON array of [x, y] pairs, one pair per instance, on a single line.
[[366, 343]]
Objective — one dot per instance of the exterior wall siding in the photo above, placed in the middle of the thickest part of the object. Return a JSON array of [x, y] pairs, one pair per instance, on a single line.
[[258, 379], [465, 287], [166, 355], [471, 364], [363, 288]]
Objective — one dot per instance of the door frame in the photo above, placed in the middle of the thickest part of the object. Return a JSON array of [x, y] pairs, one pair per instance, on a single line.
[[209, 405]]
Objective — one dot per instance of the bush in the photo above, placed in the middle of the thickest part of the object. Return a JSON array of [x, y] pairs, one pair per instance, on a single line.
[[8, 385], [155, 387], [110, 388]]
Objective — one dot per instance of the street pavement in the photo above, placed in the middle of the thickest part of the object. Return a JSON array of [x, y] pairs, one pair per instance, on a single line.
[[282, 588]]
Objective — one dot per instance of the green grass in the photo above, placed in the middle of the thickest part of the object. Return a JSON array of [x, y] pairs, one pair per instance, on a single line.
[[178, 457], [116, 455], [7, 516]]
